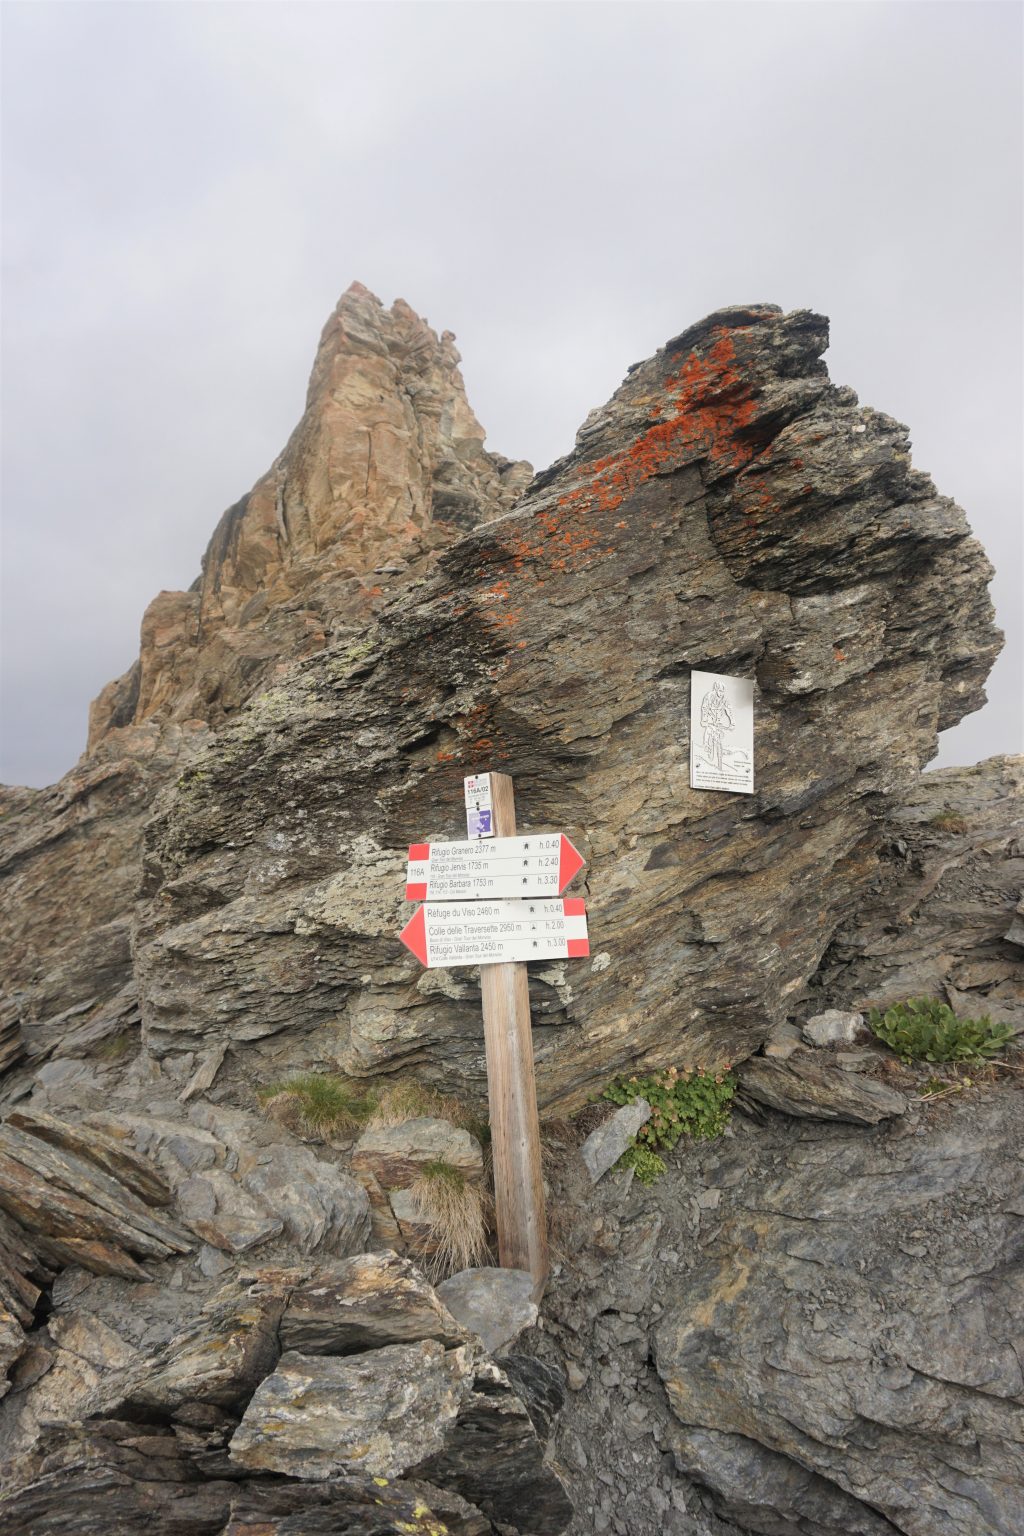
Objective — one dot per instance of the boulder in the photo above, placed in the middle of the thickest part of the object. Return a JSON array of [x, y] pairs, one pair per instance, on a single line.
[[395, 1155], [365, 1303], [495, 1304], [381, 1413]]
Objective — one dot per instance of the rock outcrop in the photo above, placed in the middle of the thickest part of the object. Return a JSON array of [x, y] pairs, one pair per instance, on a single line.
[[385, 468], [203, 1326], [729, 509]]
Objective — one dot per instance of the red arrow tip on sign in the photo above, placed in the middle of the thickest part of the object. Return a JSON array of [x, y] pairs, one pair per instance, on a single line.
[[570, 862], [414, 935]]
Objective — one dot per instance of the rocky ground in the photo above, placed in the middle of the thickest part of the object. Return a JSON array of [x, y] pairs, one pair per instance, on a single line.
[[802, 1329]]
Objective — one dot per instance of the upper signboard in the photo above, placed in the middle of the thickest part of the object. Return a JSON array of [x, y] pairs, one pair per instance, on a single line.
[[721, 733], [539, 865]]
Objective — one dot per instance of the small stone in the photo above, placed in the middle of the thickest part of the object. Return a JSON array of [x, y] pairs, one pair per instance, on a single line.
[[834, 1027], [854, 1061], [495, 1304], [782, 1042], [576, 1377], [603, 1147]]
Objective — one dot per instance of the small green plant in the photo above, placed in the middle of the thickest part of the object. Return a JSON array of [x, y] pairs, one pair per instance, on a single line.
[[457, 1214], [647, 1165], [321, 1102], [688, 1103], [925, 1029]]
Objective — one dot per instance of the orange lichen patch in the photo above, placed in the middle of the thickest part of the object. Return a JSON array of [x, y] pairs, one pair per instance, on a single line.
[[711, 404], [838, 654]]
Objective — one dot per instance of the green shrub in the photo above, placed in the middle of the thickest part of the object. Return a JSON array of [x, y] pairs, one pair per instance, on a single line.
[[688, 1103], [924, 1029]]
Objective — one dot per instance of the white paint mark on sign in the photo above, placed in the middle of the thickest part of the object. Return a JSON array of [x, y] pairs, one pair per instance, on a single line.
[[447, 933], [479, 820], [721, 733], [505, 867]]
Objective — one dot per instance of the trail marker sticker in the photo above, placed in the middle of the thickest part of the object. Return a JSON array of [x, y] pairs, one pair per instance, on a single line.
[[446, 933], [504, 868], [479, 822]]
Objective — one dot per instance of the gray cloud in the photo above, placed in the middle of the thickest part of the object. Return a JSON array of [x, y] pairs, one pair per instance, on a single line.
[[189, 187]]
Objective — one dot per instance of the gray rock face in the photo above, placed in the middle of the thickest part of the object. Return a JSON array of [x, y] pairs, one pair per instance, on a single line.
[[835, 1332], [220, 1212], [379, 1413], [495, 1304], [899, 1383], [605, 1145], [321, 1208], [494, 1459], [804, 1085]]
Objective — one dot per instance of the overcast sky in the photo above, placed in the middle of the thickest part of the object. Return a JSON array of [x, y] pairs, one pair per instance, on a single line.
[[189, 187]]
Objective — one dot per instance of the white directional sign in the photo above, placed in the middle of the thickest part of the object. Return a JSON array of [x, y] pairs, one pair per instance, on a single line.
[[446, 933], [504, 867]]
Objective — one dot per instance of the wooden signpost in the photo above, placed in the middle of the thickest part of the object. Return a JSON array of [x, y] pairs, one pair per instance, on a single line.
[[499, 907]]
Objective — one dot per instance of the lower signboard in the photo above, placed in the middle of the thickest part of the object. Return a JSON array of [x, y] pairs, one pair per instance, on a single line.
[[446, 933]]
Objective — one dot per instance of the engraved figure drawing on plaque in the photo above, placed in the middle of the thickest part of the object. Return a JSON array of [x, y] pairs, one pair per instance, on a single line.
[[721, 733]]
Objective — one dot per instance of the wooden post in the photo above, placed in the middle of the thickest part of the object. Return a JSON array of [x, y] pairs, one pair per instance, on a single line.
[[515, 1125]]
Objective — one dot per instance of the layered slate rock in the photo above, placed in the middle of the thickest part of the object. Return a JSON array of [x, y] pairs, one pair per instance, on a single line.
[[76, 1211], [804, 1085], [729, 510], [123, 1478], [939, 919]]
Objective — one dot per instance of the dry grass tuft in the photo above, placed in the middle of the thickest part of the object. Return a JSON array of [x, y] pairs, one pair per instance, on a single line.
[[409, 1100], [320, 1103], [458, 1213]]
